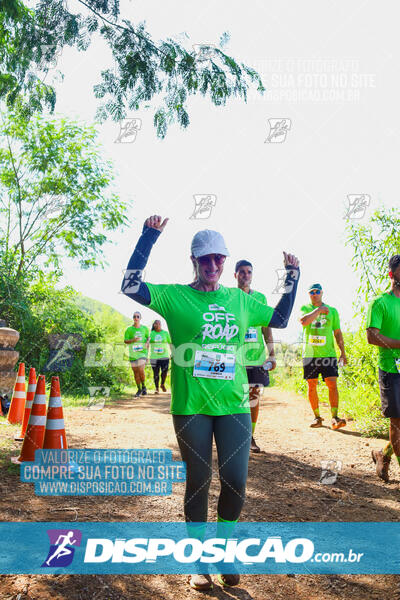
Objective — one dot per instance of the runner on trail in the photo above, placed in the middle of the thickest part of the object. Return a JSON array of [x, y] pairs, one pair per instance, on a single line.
[[383, 330], [207, 322], [320, 326], [160, 352], [255, 358], [137, 336]]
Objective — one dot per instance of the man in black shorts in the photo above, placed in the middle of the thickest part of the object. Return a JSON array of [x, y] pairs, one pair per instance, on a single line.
[[383, 330], [321, 326], [255, 357]]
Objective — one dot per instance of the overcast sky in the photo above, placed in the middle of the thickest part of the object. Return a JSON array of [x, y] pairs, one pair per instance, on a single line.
[[331, 73]]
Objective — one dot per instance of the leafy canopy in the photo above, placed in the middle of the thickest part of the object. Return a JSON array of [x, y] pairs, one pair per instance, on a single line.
[[55, 195], [167, 72], [373, 245]]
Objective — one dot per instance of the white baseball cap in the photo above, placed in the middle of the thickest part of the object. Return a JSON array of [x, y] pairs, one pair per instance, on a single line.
[[208, 242]]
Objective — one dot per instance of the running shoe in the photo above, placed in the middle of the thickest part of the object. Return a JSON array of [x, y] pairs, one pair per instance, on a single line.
[[164, 389], [229, 580], [317, 422], [253, 446], [338, 423], [382, 463], [200, 582], [138, 393], [156, 391], [144, 391]]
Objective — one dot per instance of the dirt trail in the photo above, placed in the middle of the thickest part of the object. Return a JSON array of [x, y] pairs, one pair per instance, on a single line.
[[283, 485]]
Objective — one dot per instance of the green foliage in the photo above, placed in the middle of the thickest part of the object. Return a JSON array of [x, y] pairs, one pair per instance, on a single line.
[[36, 309], [373, 245], [54, 193], [358, 386], [357, 383], [95, 307], [55, 201], [32, 39]]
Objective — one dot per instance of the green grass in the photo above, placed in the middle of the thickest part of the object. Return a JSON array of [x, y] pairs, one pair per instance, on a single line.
[[7, 447], [360, 403]]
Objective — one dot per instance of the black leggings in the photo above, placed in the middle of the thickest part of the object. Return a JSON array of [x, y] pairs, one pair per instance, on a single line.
[[156, 365], [232, 435]]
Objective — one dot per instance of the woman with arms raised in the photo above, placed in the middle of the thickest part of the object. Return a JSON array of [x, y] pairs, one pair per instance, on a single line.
[[209, 389]]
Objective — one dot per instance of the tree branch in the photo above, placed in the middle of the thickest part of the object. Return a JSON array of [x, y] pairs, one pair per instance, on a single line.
[[19, 207], [142, 37]]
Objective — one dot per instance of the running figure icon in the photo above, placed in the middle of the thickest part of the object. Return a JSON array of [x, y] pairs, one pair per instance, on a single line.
[[62, 549]]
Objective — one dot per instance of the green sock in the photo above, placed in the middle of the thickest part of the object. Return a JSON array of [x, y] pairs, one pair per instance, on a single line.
[[334, 410], [388, 450], [225, 528], [196, 530], [253, 426], [316, 412]]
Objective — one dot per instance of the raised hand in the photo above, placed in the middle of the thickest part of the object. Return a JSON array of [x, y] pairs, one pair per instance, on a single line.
[[290, 260], [155, 222]]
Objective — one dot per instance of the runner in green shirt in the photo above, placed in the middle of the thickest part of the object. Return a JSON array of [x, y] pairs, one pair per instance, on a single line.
[[209, 388], [160, 353], [257, 366], [321, 326], [383, 330], [136, 336]]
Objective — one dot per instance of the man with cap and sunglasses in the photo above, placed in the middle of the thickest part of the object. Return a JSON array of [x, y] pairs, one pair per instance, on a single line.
[[321, 326], [257, 365], [383, 330], [207, 323]]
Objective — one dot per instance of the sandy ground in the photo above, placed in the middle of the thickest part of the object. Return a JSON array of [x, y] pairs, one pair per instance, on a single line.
[[283, 485]]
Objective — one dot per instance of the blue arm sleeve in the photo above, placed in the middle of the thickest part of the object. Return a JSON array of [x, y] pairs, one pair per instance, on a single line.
[[132, 284], [283, 309]]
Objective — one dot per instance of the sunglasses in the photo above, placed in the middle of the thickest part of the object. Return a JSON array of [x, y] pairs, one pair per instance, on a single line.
[[219, 259], [315, 293]]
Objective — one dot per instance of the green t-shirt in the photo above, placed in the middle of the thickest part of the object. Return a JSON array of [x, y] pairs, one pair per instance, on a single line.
[[159, 344], [254, 348], [138, 348], [384, 314], [318, 339], [203, 324]]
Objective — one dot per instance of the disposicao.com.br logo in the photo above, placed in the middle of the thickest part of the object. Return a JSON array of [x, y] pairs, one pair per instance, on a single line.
[[178, 547], [191, 550], [166, 553]]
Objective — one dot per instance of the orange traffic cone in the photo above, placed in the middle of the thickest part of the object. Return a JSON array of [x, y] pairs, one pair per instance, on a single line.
[[54, 437], [28, 404], [34, 435], [16, 410]]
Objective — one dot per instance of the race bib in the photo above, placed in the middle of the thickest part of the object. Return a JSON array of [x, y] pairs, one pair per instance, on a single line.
[[251, 335], [317, 340], [397, 361], [137, 347], [214, 365]]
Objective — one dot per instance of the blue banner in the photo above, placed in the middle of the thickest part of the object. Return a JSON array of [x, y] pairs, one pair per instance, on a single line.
[[153, 548], [103, 472]]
